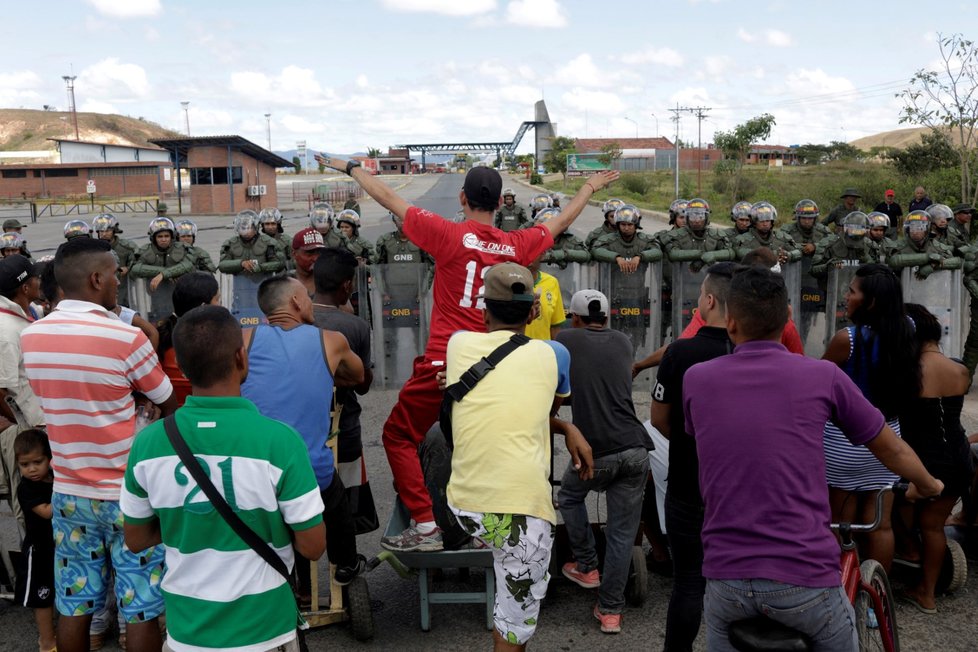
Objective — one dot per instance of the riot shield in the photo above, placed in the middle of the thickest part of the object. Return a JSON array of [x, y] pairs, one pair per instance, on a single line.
[[239, 294], [361, 288], [570, 279], [809, 312], [791, 273], [401, 307], [835, 302], [941, 294], [687, 277], [154, 306], [634, 305]]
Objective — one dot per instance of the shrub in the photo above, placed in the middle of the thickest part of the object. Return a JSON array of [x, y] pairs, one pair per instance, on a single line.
[[638, 184]]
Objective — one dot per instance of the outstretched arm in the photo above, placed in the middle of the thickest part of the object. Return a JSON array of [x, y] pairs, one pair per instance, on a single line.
[[371, 185], [593, 184]]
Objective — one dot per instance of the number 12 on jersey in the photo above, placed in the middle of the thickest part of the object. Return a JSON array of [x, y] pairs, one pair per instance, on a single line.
[[470, 291]]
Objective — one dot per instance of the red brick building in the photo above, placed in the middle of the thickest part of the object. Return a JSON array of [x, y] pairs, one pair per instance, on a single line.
[[228, 174], [112, 180]]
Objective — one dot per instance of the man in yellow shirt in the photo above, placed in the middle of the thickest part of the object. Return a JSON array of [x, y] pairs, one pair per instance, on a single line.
[[549, 306]]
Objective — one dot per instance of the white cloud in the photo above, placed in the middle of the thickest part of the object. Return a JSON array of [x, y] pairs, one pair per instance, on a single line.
[[535, 13], [16, 88], [151, 34], [445, 7], [777, 38], [581, 71], [299, 125], [111, 80], [717, 66], [596, 102], [295, 84], [95, 106], [204, 120], [745, 36], [807, 83], [127, 8], [362, 81], [691, 96], [493, 69], [661, 56]]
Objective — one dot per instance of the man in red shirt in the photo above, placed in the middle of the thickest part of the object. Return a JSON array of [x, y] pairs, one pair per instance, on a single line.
[[462, 252]]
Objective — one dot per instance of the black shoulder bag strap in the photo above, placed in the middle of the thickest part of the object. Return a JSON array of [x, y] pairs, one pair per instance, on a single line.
[[477, 372]]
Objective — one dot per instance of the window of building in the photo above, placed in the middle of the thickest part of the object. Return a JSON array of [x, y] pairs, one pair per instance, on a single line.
[[14, 174], [214, 176], [61, 172], [200, 176]]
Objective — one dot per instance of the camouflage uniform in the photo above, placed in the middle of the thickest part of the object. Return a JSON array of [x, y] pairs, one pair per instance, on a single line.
[[567, 248], [125, 252], [361, 248], [684, 245], [608, 248], [730, 234], [598, 233], [201, 259], [172, 262], [801, 237], [263, 248], [775, 240], [836, 248], [333, 238], [510, 218]]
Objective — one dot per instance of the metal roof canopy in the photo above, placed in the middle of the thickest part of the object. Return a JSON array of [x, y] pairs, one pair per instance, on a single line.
[[507, 148], [180, 146]]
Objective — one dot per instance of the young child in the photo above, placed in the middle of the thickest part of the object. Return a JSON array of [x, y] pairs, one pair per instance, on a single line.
[[35, 590]]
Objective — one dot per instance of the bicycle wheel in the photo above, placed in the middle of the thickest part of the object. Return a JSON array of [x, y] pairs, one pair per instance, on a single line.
[[877, 628]]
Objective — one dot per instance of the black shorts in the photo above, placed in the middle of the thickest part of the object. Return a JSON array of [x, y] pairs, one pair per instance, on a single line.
[[35, 586]]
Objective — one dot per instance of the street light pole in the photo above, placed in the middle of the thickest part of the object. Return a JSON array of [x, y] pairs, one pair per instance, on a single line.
[[186, 116], [268, 130], [634, 123], [656, 125]]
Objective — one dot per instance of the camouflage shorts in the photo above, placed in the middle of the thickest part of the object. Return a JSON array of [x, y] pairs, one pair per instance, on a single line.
[[521, 560]]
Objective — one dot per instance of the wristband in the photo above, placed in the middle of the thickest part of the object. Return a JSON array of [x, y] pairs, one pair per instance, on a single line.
[[588, 184], [350, 165]]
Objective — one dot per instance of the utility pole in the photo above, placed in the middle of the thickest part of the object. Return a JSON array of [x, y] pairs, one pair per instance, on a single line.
[[186, 116], [268, 130], [675, 118], [700, 113], [70, 85]]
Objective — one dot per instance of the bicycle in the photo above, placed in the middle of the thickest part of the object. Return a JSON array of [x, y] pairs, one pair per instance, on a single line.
[[867, 587]]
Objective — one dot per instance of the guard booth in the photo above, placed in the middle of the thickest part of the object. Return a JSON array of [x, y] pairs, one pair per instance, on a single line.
[[941, 293], [154, 306], [400, 307], [634, 304], [838, 282], [239, 294]]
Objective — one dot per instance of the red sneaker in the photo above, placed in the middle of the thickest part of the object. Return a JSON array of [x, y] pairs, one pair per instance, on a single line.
[[610, 623], [588, 580]]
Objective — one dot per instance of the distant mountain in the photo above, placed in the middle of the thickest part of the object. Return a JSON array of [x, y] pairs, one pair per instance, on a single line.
[[29, 130], [898, 138]]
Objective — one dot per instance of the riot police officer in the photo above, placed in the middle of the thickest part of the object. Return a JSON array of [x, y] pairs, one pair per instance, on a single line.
[[11, 243], [510, 215], [539, 203], [763, 216], [351, 202], [879, 224], [321, 219], [161, 259], [677, 220], [348, 222], [608, 226], [271, 225], [805, 230], [688, 243], [187, 234], [567, 248], [919, 250], [848, 247], [250, 251], [106, 227], [740, 216], [941, 217], [14, 225], [394, 247], [77, 229], [627, 247]]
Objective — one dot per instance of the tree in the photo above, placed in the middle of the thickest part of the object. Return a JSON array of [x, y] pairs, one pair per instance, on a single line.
[[933, 152], [736, 144], [812, 153], [842, 151], [556, 158], [298, 164], [373, 152], [610, 153], [947, 100]]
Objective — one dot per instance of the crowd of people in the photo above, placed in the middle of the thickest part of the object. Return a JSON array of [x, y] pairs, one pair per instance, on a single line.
[[110, 411]]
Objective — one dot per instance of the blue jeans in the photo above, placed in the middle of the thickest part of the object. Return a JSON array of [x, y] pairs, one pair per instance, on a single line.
[[684, 526], [823, 614], [622, 477]]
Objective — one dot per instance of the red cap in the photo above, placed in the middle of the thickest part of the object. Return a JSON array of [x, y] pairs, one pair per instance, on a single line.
[[890, 193], [308, 239]]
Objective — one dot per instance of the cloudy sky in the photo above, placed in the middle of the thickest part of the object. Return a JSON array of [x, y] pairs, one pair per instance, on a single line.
[[345, 75]]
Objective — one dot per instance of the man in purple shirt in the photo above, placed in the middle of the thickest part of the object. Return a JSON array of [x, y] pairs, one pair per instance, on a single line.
[[766, 539]]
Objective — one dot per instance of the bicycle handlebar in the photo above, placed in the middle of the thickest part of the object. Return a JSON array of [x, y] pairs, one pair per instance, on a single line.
[[896, 487]]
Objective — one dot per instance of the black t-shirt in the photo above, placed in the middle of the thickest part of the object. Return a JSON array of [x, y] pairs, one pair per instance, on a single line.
[[30, 494], [601, 390], [357, 333], [708, 343]]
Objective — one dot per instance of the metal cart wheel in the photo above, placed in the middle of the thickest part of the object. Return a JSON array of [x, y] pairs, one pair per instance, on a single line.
[[954, 570], [637, 586], [358, 605]]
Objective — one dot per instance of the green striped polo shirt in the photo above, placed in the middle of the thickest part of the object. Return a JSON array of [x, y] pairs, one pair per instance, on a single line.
[[219, 593]]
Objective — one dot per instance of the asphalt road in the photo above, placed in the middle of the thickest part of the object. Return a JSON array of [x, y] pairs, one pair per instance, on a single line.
[[565, 621]]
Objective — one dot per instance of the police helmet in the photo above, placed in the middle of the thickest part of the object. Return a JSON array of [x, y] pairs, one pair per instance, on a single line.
[[676, 209], [508, 192], [158, 224], [77, 229], [554, 199], [104, 222], [11, 240], [740, 210], [546, 215], [539, 202], [763, 211], [916, 221], [939, 212], [186, 227], [697, 210], [349, 216], [246, 223], [878, 219], [611, 205], [628, 214], [321, 215], [270, 215], [806, 208], [855, 224]]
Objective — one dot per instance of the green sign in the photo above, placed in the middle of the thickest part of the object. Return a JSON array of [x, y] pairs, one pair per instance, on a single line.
[[578, 164]]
